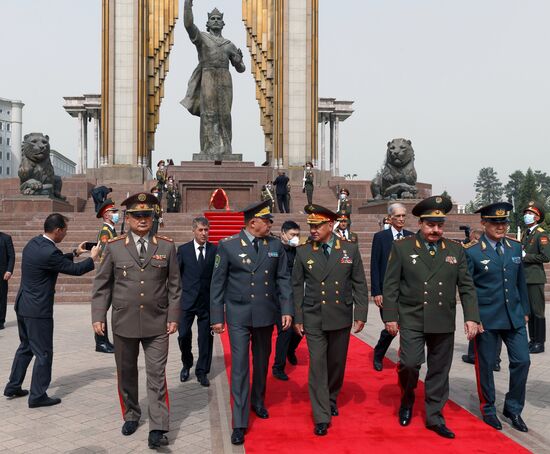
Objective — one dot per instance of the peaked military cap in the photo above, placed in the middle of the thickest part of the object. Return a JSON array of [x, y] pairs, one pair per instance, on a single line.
[[433, 209], [496, 212], [160, 162], [344, 191], [342, 216], [142, 202], [258, 210], [535, 207], [107, 205], [318, 214]]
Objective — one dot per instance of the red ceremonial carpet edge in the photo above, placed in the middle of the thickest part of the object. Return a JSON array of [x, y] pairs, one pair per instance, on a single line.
[[368, 405]]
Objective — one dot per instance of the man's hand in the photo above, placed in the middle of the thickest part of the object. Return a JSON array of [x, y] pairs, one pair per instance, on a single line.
[[7, 276], [94, 252], [526, 317], [286, 321], [378, 300], [470, 329], [99, 328], [392, 328], [299, 328], [358, 325], [81, 249], [171, 327], [218, 328]]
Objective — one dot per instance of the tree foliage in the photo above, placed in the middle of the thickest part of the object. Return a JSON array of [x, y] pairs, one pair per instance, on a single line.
[[488, 187]]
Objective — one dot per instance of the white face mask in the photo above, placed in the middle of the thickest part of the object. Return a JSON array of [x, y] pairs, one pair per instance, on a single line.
[[387, 226], [308, 168], [342, 196], [529, 218], [294, 241], [115, 218]]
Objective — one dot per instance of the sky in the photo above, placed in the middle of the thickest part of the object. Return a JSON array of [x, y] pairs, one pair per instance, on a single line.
[[467, 81]]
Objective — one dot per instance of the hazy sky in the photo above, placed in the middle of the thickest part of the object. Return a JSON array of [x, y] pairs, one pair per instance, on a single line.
[[468, 81]]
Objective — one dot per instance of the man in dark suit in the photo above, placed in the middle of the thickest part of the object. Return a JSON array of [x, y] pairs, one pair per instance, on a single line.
[[196, 262], [7, 262], [330, 295], [281, 189], [495, 265], [250, 289], [381, 247], [41, 263], [99, 195]]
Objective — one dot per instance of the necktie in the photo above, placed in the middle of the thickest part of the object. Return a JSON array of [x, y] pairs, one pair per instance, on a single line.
[[431, 249], [255, 243], [325, 250], [398, 236], [201, 257], [499, 248], [142, 250]]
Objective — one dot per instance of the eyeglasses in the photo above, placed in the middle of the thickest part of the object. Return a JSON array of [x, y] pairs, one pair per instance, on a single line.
[[141, 215]]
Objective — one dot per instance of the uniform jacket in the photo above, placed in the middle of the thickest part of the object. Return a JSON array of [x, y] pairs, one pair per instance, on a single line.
[[144, 297], [500, 283], [345, 206], [353, 238], [42, 261], [7, 254], [326, 292], [253, 288], [381, 247], [106, 233], [195, 284], [309, 179], [420, 290], [537, 252]]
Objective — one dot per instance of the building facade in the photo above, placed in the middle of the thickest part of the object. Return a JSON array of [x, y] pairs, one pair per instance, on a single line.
[[11, 122], [62, 166]]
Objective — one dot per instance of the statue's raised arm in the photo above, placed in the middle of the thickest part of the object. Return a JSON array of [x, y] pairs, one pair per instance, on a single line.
[[190, 26]]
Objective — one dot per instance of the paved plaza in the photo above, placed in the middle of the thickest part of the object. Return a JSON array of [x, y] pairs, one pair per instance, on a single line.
[[88, 420]]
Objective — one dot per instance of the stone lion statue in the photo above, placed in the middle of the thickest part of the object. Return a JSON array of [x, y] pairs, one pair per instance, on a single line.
[[36, 173], [398, 175]]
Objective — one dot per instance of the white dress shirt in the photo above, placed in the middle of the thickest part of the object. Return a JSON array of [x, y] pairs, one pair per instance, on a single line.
[[197, 251]]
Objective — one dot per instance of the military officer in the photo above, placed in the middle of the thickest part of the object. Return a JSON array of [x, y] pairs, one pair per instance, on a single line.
[[328, 283], [342, 229], [252, 283], [495, 265], [157, 214], [423, 274], [139, 277], [536, 252], [344, 203], [308, 182]]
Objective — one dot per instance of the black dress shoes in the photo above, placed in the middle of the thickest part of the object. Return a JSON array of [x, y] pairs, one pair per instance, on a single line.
[[536, 347], [493, 421], [496, 367], [129, 427], [104, 347], [261, 412], [377, 364], [280, 375], [157, 439], [468, 359], [442, 430], [334, 410], [517, 421], [45, 402], [237, 437], [320, 429], [2, 326], [405, 415], [15, 393], [292, 359], [203, 380], [184, 374]]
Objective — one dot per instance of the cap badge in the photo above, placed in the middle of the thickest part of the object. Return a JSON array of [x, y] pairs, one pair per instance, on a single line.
[[438, 200], [501, 213], [142, 197], [531, 203]]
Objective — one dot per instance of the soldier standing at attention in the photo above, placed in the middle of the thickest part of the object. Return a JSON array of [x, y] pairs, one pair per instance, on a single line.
[[536, 252], [419, 300], [342, 230], [328, 283], [161, 178], [308, 182], [250, 289], [157, 211], [139, 277]]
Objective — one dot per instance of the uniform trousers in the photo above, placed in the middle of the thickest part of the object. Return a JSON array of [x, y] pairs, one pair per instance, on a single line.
[[205, 340], [485, 347], [36, 337], [126, 356], [3, 298], [240, 338], [309, 194], [440, 357], [328, 351]]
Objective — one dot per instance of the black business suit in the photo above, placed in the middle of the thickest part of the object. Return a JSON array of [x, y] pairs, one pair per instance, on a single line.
[[195, 302], [381, 247], [42, 261], [7, 262]]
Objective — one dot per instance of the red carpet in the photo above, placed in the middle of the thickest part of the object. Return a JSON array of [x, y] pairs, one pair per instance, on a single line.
[[367, 422], [223, 224]]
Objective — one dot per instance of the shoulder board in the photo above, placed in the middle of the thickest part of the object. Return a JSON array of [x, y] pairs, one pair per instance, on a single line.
[[513, 239], [460, 243], [120, 237], [232, 237], [165, 238], [305, 243], [470, 244], [540, 229]]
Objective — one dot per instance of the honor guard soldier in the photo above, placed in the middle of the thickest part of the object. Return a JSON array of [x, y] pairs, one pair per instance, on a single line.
[[250, 289], [308, 182], [536, 252], [330, 294], [139, 277], [157, 210], [342, 229], [495, 265], [419, 299]]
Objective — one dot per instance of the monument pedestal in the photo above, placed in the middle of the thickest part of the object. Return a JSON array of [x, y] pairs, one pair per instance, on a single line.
[[35, 204], [224, 157], [381, 206], [120, 174]]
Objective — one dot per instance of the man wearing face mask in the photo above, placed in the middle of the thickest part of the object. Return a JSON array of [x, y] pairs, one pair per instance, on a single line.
[[290, 237], [536, 252], [308, 182], [344, 203], [157, 215], [109, 213]]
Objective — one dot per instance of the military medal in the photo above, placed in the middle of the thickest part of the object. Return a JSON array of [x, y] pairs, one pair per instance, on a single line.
[[414, 256], [124, 273], [248, 261], [485, 262]]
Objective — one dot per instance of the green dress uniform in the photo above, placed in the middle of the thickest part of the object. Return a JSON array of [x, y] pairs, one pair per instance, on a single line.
[[308, 186], [420, 294], [536, 248], [329, 293]]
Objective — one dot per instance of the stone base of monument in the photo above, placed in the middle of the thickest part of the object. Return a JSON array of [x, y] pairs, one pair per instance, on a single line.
[[120, 174], [224, 157], [381, 206], [35, 204]]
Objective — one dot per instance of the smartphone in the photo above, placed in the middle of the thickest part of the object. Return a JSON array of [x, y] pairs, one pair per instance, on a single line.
[[89, 245]]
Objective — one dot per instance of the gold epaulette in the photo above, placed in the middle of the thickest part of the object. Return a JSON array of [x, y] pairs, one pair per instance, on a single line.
[[540, 229], [509, 238], [232, 237], [470, 244], [120, 237], [165, 238]]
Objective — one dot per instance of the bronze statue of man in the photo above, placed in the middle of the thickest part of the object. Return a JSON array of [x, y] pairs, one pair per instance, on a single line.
[[210, 90]]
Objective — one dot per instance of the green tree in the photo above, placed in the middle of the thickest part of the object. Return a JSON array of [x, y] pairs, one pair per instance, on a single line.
[[446, 194], [488, 187], [512, 190], [529, 190]]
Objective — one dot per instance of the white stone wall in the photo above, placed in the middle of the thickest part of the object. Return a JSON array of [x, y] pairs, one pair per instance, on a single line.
[[11, 120]]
